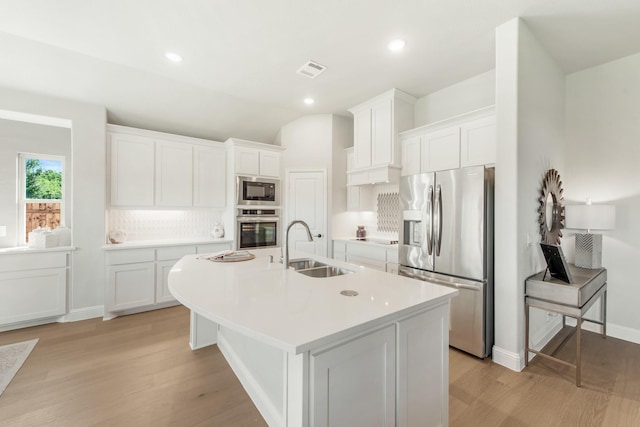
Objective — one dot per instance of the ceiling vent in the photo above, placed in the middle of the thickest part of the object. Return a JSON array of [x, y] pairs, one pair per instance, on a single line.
[[311, 69]]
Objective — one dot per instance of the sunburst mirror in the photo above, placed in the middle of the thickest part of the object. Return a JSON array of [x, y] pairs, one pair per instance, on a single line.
[[551, 209]]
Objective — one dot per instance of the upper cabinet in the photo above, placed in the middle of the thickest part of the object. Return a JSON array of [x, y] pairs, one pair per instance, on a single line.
[[468, 140], [256, 159], [209, 176], [154, 169], [132, 169], [174, 174], [376, 124]]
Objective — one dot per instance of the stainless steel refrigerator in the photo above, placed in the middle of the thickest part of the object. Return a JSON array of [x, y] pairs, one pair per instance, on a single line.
[[446, 237]]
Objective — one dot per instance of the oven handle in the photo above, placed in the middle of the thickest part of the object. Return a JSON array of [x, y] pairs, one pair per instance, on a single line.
[[258, 218]]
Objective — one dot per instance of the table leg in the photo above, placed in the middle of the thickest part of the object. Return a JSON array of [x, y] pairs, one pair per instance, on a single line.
[[604, 314], [526, 334], [578, 346]]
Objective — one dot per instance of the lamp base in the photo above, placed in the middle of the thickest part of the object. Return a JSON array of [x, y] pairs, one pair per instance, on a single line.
[[588, 250]]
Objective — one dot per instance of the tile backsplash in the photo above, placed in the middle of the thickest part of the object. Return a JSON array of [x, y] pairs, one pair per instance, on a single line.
[[388, 210], [164, 224]]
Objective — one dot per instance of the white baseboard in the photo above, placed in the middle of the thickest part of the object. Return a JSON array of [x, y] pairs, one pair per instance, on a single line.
[[253, 389], [82, 314], [508, 359], [613, 330]]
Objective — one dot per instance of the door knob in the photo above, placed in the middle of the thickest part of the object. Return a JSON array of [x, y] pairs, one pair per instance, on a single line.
[[319, 236]]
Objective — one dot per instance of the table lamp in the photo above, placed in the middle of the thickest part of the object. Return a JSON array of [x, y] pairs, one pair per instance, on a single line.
[[589, 217]]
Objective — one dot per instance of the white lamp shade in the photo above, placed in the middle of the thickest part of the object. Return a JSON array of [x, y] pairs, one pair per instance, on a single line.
[[590, 217]]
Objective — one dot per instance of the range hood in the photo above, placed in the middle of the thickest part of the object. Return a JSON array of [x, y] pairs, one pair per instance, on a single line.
[[387, 174]]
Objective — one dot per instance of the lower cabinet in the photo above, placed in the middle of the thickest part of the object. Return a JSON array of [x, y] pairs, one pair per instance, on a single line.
[[383, 258], [138, 278], [354, 384], [33, 288], [130, 286]]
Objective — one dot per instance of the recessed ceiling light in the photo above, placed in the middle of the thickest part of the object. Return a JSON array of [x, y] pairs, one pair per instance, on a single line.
[[396, 45], [173, 57], [309, 101]]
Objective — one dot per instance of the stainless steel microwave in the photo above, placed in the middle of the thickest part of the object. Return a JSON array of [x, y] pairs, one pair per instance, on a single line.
[[251, 190]]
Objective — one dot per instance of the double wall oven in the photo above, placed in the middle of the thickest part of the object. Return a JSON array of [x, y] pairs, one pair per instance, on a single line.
[[257, 228]]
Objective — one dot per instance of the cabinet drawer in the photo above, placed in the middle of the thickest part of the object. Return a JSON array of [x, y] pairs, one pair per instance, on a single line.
[[174, 252], [129, 256], [32, 261], [213, 247], [362, 250]]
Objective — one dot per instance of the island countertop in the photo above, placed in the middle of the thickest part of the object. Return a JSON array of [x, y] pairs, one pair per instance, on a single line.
[[292, 311]]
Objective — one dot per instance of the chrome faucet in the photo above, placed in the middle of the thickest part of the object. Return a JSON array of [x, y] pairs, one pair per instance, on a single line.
[[285, 258]]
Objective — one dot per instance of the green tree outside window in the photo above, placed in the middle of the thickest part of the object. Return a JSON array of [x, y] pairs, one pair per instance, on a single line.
[[42, 183]]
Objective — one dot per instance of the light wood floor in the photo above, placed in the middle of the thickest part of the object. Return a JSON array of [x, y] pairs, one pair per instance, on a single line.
[[138, 370]]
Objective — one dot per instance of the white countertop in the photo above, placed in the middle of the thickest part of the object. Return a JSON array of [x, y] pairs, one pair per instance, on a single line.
[[28, 250], [163, 242], [292, 311]]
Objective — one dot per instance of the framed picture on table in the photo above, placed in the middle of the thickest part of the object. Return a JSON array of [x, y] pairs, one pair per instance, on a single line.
[[556, 264]]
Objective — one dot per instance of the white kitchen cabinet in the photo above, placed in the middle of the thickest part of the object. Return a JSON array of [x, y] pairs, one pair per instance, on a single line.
[[354, 384], [370, 255], [440, 150], [174, 174], [150, 169], [33, 288], [209, 176], [162, 282], [411, 155], [137, 278], [255, 162], [359, 198], [376, 126], [340, 250], [132, 170], [462, 141], [130, 286], [422, 337], [362, 138], [478, 142], [130, 279], [382, 137]]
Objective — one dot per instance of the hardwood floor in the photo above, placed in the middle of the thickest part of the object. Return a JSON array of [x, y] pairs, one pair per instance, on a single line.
[[138, 370]]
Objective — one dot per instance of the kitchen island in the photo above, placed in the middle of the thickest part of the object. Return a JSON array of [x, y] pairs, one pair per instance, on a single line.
[[308, 355]]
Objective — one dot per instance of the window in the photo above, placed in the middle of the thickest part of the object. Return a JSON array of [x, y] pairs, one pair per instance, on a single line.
[[41, 193]]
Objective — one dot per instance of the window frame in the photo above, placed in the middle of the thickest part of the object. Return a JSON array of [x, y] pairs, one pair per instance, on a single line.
[[22, 191]]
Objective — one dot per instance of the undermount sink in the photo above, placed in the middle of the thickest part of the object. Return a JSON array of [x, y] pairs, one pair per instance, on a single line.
[[326, 271], [312, 268], [305, 263]]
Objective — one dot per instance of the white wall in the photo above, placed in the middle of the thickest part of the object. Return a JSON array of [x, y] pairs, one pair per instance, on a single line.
[[20, 137], [602, 157], [88, 189], [530, 133], [468, 95]]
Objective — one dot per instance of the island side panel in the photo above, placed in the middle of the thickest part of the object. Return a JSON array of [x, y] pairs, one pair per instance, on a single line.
[[261, 369], [202, 332], [423, 369]]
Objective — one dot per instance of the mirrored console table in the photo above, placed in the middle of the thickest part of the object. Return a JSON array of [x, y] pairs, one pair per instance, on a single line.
[[573, 300]]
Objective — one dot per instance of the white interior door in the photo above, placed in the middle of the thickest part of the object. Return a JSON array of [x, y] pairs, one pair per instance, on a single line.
[[307, 200]]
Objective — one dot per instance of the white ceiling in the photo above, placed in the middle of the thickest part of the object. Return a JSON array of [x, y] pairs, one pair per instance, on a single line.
[[240, 56]]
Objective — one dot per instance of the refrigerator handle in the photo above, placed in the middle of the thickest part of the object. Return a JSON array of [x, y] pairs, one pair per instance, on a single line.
[[429, 222], [438, 220]]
